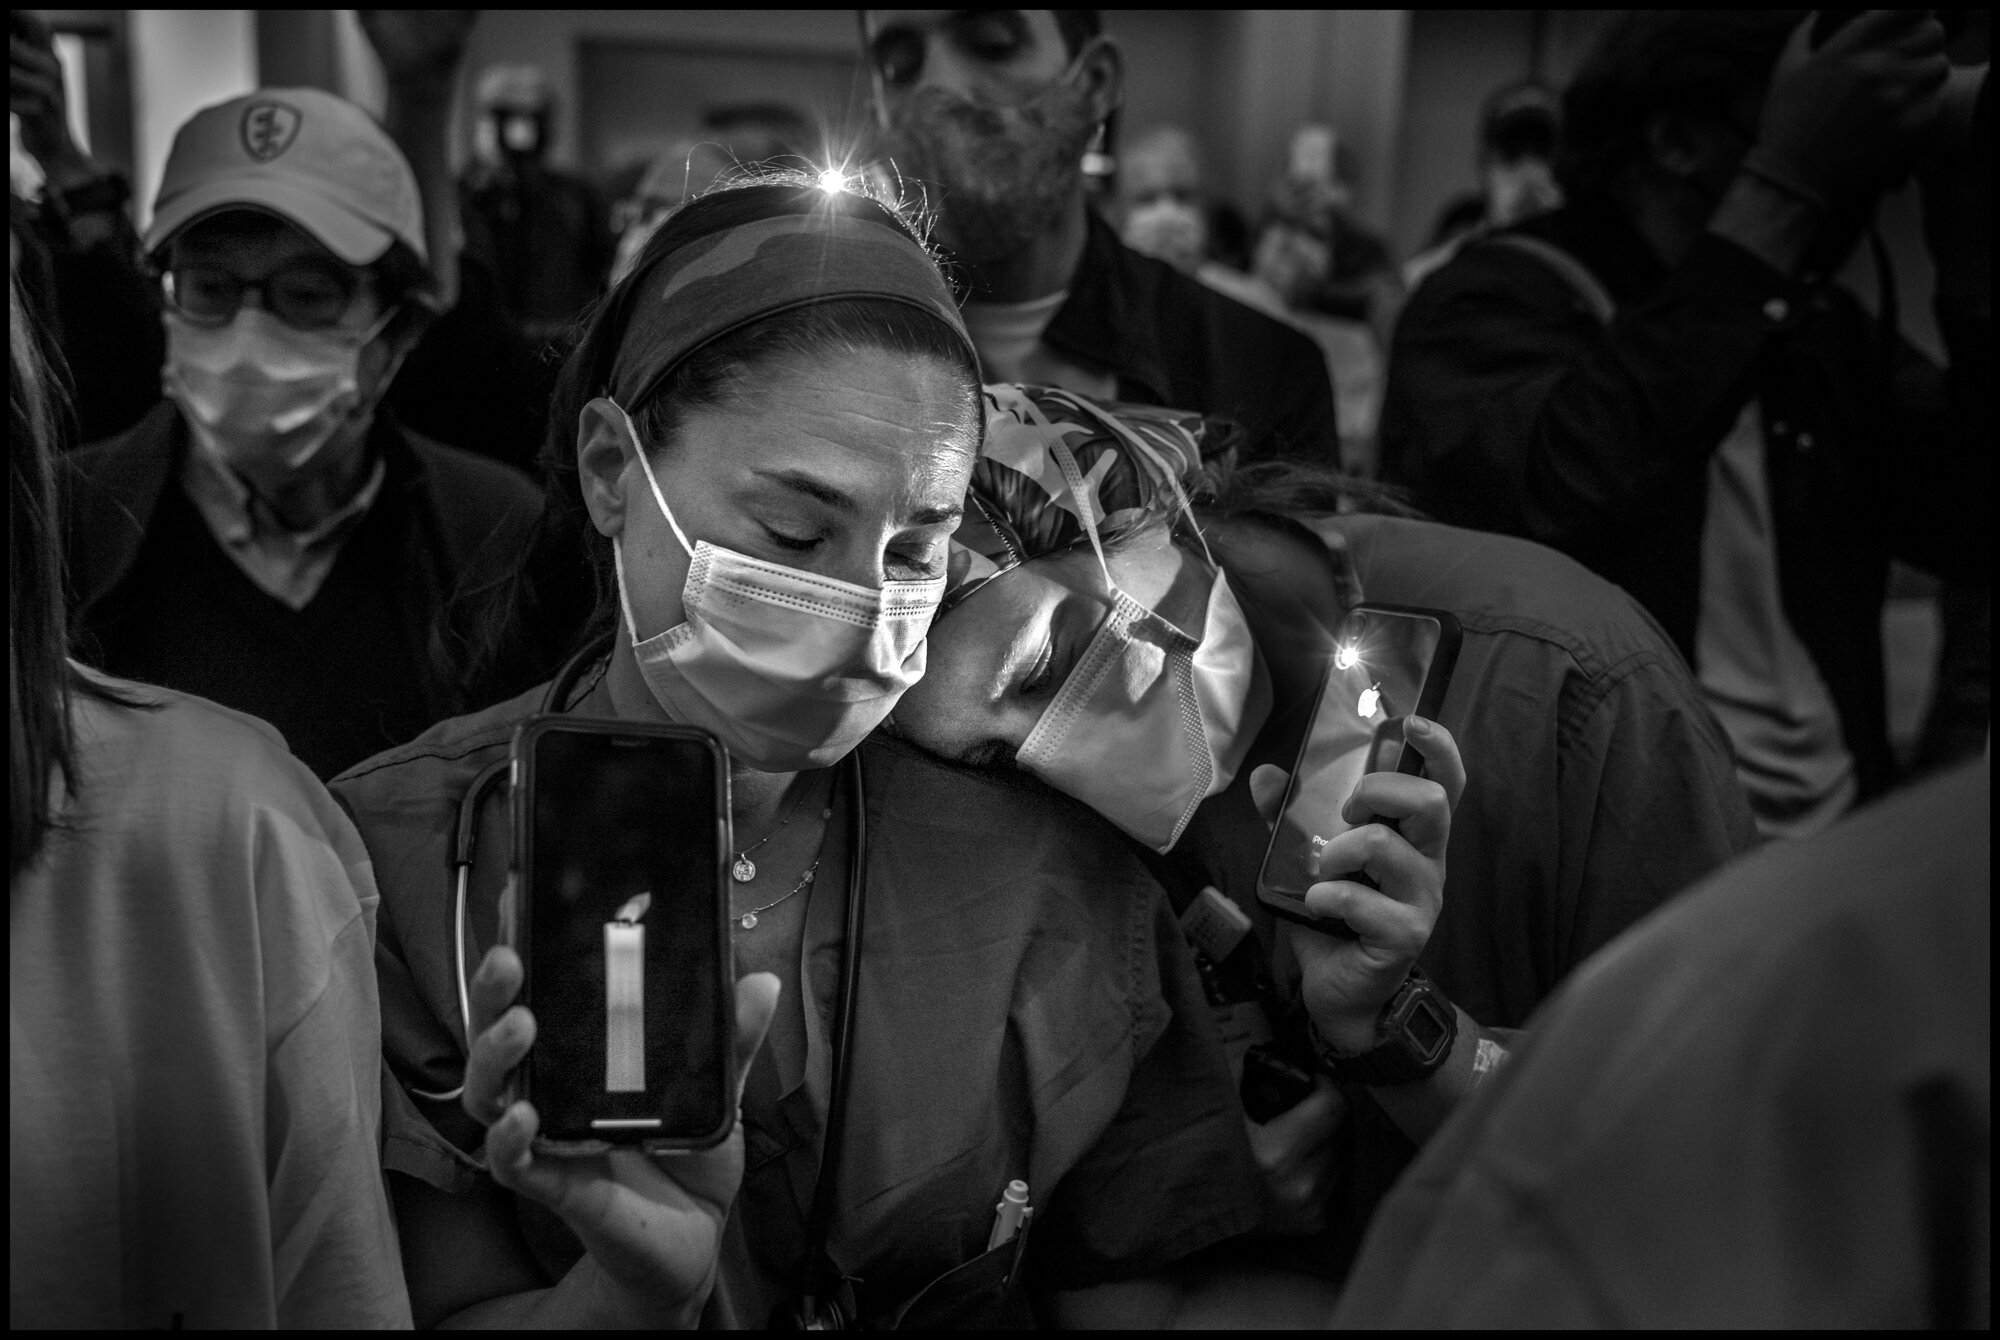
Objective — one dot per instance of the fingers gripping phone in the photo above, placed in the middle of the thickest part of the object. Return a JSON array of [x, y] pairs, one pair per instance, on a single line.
[[620, 917], [1389, 663]]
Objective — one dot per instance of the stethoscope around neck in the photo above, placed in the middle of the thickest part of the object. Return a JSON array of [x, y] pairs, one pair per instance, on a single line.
[[465, 838], [463, 850]]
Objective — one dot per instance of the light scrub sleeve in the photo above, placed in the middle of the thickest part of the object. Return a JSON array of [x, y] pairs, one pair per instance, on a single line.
[[334, 1252], [194, 1096]]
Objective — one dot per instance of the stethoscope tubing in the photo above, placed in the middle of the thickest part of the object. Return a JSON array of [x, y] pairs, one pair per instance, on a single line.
[[465, 838]]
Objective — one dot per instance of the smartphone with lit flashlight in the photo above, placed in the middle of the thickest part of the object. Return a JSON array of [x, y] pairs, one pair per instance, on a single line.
[[1389, 663], [620, 915]]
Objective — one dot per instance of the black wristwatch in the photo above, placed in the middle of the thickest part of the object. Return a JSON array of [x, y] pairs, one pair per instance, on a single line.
[[1416, 1030]]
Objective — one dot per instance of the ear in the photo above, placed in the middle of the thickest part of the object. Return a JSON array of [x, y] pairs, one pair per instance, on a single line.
[[604, 452], [1104, 76]]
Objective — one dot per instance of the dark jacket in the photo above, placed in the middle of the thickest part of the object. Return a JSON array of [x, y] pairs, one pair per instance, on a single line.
[[1512, 406], [1172, 340], [545, 237], [455, 519]]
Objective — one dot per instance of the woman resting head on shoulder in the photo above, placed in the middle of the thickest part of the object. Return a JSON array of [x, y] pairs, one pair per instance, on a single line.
[[775, 415], [1106, 634], [1574, 709]]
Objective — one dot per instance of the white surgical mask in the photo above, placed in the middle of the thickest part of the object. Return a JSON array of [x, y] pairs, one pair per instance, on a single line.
[[1153, 719], [257, 391], [791, 670]]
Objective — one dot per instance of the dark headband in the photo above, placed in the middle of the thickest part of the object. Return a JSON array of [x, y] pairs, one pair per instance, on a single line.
[[730, 278]]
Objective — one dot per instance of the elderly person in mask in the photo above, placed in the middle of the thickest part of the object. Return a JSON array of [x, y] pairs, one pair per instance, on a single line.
[[1583, 717], [993, 111], [774, 418], [267, 537]]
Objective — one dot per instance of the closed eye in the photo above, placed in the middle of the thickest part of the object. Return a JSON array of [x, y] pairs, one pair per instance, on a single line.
[[798, 544], [918, 565], [1042, 673]]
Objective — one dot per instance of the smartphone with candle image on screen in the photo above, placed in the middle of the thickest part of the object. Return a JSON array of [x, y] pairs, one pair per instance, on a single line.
[[1390, 662], [620, 916]]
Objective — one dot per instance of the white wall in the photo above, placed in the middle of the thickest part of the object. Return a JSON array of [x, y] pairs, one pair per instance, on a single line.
[[182, 60]]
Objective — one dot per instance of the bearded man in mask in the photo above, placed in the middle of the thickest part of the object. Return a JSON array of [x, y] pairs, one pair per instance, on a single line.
[[1661, 379], [545, 235], [992, 111], [267, 537]]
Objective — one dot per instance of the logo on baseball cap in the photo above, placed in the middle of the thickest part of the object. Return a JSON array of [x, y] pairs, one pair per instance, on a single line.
[[269, 129], [310, 158]]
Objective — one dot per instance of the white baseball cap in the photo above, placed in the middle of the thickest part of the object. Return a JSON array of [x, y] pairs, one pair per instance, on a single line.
[[308, 157]]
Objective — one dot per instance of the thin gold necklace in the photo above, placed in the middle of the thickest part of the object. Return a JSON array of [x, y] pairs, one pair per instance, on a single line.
[[743, 870], [748, 920]]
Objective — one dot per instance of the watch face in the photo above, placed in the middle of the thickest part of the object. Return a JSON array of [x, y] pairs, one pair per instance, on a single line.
[[1425, 1029]]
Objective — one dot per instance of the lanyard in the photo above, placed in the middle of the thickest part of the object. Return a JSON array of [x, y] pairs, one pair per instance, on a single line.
[[820, 1278]]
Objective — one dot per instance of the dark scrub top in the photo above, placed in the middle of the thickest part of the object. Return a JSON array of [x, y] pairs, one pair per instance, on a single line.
[[1027, 1009], [1769, 1106], [1598, 783]]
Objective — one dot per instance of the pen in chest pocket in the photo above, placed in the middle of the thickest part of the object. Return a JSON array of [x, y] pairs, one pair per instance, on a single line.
[[1011, 1214]]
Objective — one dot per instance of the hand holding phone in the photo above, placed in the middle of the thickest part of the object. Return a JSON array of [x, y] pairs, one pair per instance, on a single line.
[[1344, 980], [652, 1225], [1391, 664]]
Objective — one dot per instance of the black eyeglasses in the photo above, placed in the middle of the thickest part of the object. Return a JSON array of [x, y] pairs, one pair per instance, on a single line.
[[304, 297]]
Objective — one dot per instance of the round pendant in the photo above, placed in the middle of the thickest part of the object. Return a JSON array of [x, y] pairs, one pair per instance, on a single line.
[[748, 921], [744, 870]]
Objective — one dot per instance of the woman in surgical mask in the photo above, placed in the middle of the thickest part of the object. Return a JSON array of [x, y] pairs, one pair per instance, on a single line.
[[1097, 637], [763, 444], [1601, 787]]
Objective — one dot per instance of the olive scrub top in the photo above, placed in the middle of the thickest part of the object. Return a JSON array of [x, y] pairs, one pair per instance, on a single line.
[[1027, 1009]]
